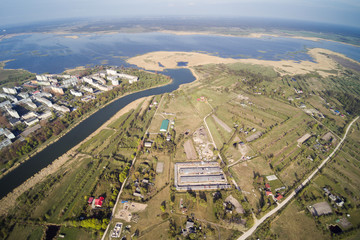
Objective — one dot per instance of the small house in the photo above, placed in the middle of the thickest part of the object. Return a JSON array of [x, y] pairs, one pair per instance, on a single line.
[[279, 197], [148, 144], [99, 202], [91, 199]]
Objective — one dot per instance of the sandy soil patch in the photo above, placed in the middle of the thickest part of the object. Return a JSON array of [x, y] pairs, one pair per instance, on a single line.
[[79, 68], [9, 200], [237, 205], [322, 63], [190, 150], [128, 208]]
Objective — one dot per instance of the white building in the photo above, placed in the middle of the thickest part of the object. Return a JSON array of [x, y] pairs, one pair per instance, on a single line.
[[30, 103], [99, 79], [8, 134], [13, 113], [5, 104], [75, 93], [87, 89], [58, 90], [43, 94], [61, 108], [9, 90], [10, 97], [30, 115], [87, 80], [31, 121], [41, 78], [131, 78], [44, 101], [70, 82], [111, 72], [5, 143], [101, 87], [115, 82], [45, 115], [23, 95]]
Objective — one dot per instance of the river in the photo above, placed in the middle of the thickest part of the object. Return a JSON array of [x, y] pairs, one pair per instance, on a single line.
[[42, 159]]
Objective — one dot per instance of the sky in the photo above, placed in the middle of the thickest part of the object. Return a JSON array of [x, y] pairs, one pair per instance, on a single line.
[[342, 12]]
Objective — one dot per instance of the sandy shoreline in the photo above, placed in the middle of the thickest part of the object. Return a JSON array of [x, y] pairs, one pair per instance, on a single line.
[[323, 64], [9, 200]]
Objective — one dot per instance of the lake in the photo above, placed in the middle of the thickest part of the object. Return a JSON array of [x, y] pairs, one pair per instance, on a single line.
[[40, 53]]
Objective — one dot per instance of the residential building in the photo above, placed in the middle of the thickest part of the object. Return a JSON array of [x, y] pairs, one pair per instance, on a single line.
[[75, 93], [41, 78], [111, 72], [13, 113], [44, 101], [61, 108], [9, 90], [6, 142], [5, 104], [70, 82], [31, 121], [8, 134], [45, 115], [87, 89], [29, 115], [14, 121]]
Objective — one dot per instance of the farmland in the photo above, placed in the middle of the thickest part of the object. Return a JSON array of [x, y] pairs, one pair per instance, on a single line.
[[267, 132]]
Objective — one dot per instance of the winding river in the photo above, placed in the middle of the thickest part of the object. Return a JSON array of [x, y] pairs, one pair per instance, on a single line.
[[42, 159]]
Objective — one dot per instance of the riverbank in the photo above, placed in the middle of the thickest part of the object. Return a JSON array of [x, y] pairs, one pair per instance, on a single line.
[[8, 201], [322, 64], [73, 125]]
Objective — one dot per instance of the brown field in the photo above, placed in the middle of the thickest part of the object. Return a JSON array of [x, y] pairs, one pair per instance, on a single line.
[[190, 150]]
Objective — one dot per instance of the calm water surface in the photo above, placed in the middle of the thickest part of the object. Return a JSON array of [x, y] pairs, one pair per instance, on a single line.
[[41, 53]]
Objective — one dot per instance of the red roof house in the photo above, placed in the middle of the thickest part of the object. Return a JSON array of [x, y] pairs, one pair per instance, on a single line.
[[267, 186], [268, 193], [90, 200], [99, 201], [278, 197]]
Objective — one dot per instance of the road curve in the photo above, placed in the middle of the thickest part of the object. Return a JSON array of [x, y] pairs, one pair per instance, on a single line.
[[249, 232]]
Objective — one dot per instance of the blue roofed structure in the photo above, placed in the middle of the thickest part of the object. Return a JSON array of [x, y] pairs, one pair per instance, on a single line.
[[164, 125]]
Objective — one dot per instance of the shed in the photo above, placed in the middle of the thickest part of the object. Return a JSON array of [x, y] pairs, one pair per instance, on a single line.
[[303, 138], [148, 144], [164, 125]]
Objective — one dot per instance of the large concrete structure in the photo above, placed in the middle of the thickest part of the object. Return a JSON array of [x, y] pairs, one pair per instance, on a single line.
[[199, 176]]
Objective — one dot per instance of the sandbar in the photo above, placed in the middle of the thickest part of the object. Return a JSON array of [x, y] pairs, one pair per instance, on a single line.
[[168, 59]]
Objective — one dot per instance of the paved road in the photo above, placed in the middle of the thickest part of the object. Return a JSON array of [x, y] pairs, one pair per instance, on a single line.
[[290, 197]]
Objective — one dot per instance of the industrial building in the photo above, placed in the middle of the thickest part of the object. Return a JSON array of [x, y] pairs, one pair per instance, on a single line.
[[199, 176]]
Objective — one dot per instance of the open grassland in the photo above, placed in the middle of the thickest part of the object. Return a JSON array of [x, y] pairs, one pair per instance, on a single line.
[[176, 107], [245, 174], [24, 231], [341, 177], [76, 233], [294, 223]]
